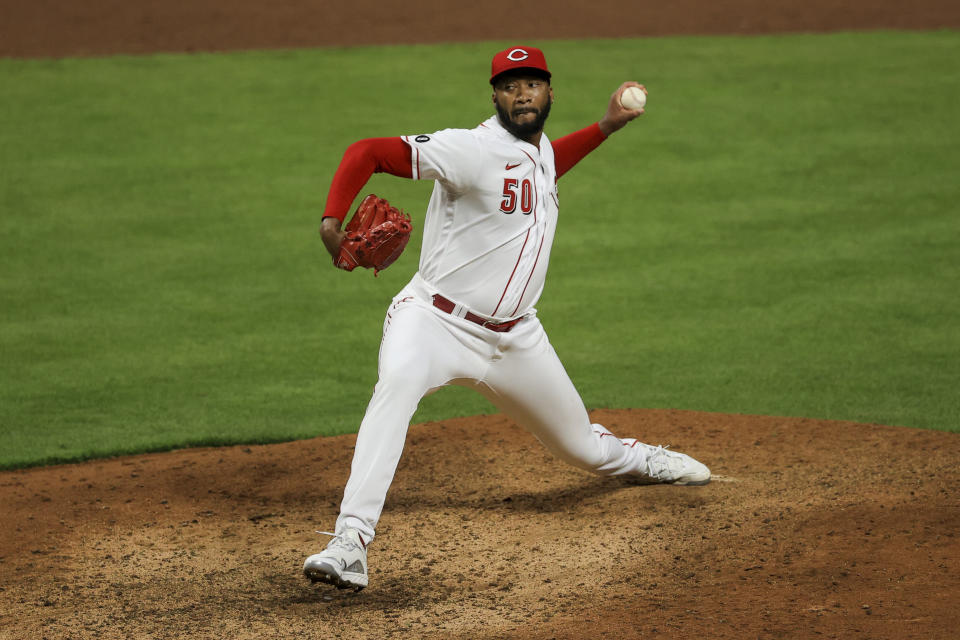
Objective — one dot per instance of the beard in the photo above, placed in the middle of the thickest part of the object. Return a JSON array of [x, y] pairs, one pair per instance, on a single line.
[[526, 129]]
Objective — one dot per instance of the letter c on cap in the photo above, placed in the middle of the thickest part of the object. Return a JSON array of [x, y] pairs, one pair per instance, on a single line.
[[517, 55]]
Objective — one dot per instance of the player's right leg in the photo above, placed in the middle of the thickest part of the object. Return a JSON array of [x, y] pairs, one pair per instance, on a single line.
[[418, 353]]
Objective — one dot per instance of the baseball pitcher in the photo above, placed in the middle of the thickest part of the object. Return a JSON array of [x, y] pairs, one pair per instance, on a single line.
[[467, 317]]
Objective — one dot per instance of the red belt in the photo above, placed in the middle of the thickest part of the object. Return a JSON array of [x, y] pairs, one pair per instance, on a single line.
[[448, 306]]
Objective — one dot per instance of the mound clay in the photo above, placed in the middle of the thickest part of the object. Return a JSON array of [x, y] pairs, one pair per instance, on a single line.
[[809, 529]]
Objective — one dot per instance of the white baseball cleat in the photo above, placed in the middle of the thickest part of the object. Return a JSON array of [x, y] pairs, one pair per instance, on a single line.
[[343, 563], [670, 467]]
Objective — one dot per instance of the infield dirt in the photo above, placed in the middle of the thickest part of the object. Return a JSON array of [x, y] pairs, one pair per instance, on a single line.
[[810, 528]]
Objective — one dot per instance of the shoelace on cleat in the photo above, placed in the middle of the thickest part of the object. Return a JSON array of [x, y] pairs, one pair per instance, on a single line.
[[660, 451], [340, 540]]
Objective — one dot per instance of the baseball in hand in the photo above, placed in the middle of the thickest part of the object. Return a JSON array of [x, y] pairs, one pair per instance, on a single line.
[[633, 98]]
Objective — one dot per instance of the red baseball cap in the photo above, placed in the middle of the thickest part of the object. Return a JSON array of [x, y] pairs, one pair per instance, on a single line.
[[518, 58]]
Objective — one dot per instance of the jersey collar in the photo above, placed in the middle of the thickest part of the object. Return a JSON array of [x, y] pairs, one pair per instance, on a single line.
[[494, 125]]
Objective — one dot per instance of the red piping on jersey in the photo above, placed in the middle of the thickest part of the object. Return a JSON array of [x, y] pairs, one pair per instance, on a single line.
[[536, 202], [512, 273], [536, 193], [531, 274]]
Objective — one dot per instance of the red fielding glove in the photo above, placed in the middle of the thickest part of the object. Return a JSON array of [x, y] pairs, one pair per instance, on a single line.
[[375, 236]]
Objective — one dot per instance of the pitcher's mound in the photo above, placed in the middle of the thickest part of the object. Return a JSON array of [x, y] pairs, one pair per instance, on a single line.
[[809, 528]]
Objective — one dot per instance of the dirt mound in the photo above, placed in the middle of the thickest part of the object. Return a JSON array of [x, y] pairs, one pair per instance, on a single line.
[[809, 527]]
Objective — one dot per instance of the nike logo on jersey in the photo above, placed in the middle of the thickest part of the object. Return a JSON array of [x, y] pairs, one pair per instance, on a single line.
[[513, 166]]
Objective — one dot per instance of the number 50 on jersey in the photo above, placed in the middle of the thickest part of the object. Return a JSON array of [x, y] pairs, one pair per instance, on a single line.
[[510, 188]]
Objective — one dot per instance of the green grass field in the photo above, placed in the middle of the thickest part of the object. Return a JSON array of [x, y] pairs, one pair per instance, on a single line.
[[778, 235]]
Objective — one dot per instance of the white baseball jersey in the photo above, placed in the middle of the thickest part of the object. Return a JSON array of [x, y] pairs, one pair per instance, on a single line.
[[491, 219], [486, 244]]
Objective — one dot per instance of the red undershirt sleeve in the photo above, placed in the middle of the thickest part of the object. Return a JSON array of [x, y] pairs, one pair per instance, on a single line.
[[571, 148], [360, 161]]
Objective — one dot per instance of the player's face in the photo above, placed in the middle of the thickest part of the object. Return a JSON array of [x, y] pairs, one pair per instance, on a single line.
[[523, 103]]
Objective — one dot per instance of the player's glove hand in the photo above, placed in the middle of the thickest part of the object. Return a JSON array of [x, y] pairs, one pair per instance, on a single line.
[[375, 236]]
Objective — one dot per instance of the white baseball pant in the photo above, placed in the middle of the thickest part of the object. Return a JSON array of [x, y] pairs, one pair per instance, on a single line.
[[424, 349]]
